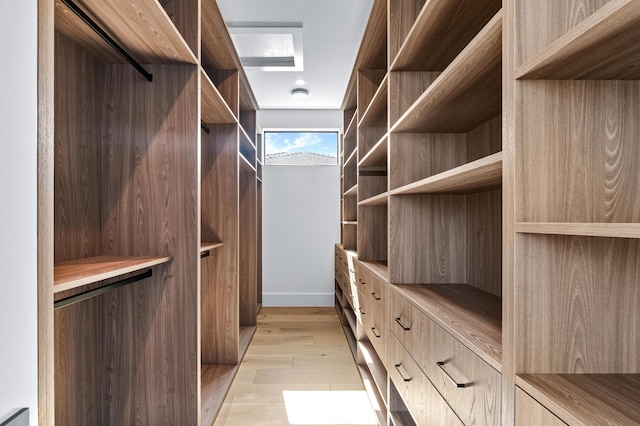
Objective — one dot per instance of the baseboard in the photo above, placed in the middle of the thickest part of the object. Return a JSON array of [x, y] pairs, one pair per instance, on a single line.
[[298, 299]]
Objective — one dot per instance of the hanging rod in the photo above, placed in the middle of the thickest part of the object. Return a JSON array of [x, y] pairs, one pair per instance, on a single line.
[[98, 291], [205, 128], [111, 42], [204, 254]]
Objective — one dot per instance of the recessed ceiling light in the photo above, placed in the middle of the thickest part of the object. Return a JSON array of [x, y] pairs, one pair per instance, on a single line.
[[299, 93], [300, 82]]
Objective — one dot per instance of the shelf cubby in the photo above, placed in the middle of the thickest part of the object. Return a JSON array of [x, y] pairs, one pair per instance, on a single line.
[[350, 207], [76, 273], [214, 106], [247, 149], [209, 246], [601, 46], [472, 316], [376, 200], [467, 93], [352, 190], [377, 156], [216, 379], [586, 398], [440, 27], [143, 29], [374, 98], [479, 175]]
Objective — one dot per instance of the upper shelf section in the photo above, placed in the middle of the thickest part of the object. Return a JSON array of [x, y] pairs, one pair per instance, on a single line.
[[214, 107], [375, 114], [604, 46], [76, 273], [142, 28], [218, 51], [467, 93], [441, 29]]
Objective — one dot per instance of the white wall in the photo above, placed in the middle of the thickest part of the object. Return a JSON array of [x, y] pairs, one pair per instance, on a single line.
[[18, 224], [301, 224], [329, 119]]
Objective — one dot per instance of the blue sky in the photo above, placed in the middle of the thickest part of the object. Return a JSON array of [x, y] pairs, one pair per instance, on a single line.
[[319, 143]]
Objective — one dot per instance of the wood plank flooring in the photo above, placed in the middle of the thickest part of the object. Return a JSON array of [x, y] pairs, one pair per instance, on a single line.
[[298, 370]]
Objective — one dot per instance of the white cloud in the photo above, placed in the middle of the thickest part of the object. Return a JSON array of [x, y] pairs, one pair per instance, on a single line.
[[305, 140]]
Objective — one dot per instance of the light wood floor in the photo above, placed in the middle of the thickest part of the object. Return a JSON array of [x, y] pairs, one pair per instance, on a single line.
[[297, 370]]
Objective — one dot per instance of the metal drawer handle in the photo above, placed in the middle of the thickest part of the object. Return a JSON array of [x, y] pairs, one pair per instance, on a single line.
[[361, 281], [361, 310], [375, 296], [404, 327], [374, 332], [440, 365], [405, 377]]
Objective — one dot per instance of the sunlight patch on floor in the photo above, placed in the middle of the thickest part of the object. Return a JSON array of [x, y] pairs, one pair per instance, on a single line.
[[329, 408]]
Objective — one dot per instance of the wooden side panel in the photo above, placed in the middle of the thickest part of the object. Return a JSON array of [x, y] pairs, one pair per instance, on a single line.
[[429, 239], [405, 87], [484, 241], [185, 15], [578, 304], [150, 206], [485, 139], [220, 338], [372, 233], [402, 15], [77, 184], [539, 23], [579, 153], [248, 252], [414, 156]]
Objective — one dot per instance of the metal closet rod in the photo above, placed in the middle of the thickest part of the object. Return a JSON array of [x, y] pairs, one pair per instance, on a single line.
[[111, 42], [98, 291], [205, 128]]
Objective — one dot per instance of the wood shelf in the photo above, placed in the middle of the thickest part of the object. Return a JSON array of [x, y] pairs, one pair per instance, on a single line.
[[143, 28], [209, 246], [611, 230], [587, 398], [604, 46], [216, 381], [76, 273], [352, 191], [214, 107], [377, 200], [471, 315], [467, 93], [482, 174], [442, 28], [351, 127], [376, 113], [245, 163], [349, 222], [218, 51], [377, 156], [352, 158]]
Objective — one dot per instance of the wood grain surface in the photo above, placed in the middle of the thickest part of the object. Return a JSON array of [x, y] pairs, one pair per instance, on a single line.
[[218, 51], [530, 412], [214, 107], [405, 87], [375, 112], [377, 155], [587, 398], [615, 230], [582, 135], [577, 304], [373, 48], [376, 200], [247, 272], [431, 38], [372, 233]]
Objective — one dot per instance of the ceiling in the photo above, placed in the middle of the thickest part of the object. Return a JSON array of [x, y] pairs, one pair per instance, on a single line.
[[330, 35]]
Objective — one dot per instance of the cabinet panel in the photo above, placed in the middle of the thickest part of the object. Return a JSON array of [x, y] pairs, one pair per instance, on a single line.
[[530, 412]]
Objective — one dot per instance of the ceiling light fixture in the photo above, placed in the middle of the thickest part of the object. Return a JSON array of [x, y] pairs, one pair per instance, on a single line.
[[299, 92], [300, 82]]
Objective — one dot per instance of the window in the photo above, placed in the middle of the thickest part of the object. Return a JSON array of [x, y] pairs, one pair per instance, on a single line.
[[301, 148]]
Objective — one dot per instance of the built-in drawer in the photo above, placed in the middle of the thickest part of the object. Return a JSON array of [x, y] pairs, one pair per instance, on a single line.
[[406, 323], [423, 401]]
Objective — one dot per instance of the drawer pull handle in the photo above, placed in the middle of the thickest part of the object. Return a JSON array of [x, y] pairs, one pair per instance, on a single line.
[[440, 365], [404, 327], [373, 329], [404, 376], [375, 296], [361, 281], [361, 310]]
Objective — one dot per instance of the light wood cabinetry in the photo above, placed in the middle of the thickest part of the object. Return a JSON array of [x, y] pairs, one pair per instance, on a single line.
[[495, 185], [154, 214]]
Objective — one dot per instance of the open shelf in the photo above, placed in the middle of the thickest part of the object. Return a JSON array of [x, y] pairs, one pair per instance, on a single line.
[[209, 246], [245, 163], [216, 381], [478, 175], [376, 113], [604, 46], [351, 159], [76, 273], [377, 200], [218, 50], [587, 398], [374, 365], [214, 107], [467, 93], [352, 191], [246, 334], [144, 31], [349, 222], [613, 230], [377, 156], [247, 149], [442, 28], [351, 127], [471, 315]]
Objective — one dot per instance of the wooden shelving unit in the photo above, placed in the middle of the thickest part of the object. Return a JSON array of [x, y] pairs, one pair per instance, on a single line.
[[377, 155], [352, 191], [214, 107], [587, 398], [76, 273], [376, 200], [375, 115]]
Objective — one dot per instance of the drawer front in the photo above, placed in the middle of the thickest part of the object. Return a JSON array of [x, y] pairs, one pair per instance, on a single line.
[[530, 412], [470, 386], [405, 323], [423, 401]]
